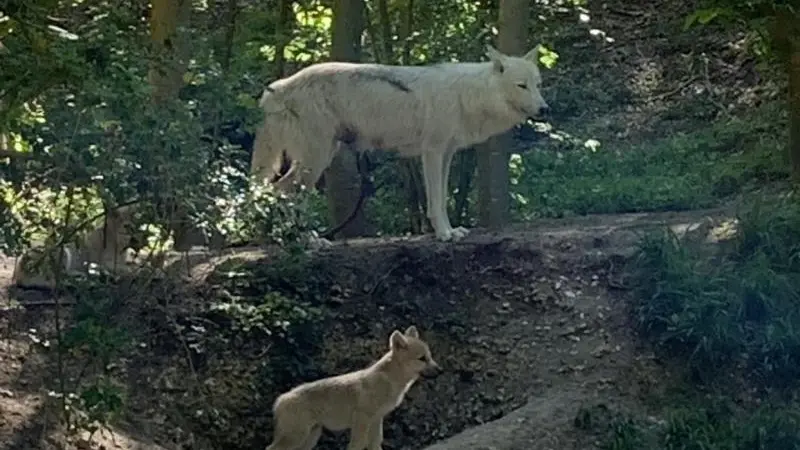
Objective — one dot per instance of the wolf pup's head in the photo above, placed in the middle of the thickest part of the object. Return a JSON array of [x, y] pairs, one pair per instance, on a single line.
[[520, 81], [413, 353], [120, 226]]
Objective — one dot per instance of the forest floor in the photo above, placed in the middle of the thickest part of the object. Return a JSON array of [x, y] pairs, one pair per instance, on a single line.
[[529, 323]]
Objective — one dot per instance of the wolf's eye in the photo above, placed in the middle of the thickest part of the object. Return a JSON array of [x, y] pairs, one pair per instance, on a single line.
[[423, 359], [522, 85]]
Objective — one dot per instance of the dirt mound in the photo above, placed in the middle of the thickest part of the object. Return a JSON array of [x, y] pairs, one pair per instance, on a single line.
[[522, 321]]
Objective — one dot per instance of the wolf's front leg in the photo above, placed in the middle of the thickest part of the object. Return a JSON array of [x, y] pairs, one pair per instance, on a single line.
[[375, 435], [432, 162], [359, 433]]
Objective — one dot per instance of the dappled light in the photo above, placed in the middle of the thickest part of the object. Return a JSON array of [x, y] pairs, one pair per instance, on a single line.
[[585, 212]]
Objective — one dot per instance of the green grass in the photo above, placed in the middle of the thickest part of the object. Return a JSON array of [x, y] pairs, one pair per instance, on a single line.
[[706, 428], [685, 171], [738, 306]]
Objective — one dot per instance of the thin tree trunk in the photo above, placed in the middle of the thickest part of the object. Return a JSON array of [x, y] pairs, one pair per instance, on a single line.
[[493, 156], [166, 71], [466, 171], [411, 167], [342, 178], [166, 79], [785, 36], [374, 40], [794, 97], [794, 112], [283, 35], [386, 32], [217, 240]]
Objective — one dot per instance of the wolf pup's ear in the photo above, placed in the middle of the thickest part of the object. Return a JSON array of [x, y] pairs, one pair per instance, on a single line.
[[123, 213], [397, 341], [495, 57], [412, 332]]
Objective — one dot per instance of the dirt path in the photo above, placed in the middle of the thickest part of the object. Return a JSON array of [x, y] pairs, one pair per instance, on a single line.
[[524, 322]]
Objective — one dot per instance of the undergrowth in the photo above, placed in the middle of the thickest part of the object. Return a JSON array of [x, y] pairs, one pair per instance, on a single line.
[[685, 171], [714, 426], [735, 307], [725, 310]]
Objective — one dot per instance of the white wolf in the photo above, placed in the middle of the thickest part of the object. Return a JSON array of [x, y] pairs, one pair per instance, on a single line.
[[428, 111]]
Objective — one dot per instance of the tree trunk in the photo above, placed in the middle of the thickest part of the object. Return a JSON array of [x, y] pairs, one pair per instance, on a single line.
[[785, 35], [793, 68], [283, 35], [493, 156], [466, 171], [342, 178], [166, 79], [411, 167], [386, 32], [166, 71], [794, 112]]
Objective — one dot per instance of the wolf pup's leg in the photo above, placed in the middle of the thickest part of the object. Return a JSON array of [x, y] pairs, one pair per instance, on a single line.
[[375, 435], [290, 439], [359, 433]]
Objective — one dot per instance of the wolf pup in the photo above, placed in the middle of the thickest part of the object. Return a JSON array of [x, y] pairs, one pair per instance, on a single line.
[[357, 401], [105, 246]]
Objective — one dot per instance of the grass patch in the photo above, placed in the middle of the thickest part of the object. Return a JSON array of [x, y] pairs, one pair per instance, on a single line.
[[713, 427], [735, 307], [686, 171]]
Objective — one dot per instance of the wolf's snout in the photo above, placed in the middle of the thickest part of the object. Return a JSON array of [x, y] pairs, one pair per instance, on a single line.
[[544, 111], [432, 371]]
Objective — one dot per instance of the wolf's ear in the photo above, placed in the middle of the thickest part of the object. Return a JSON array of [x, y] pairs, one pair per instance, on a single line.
[[397, 341], [533, 55], [412, 332], [495, 57]]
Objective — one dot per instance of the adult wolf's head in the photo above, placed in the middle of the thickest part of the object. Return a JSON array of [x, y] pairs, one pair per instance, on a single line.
[[520, 80]]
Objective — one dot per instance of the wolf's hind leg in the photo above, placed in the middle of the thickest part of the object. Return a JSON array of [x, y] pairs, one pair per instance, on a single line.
[[312, 438]]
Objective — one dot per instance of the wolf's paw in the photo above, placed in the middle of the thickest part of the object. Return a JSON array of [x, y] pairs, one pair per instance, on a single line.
[[316, 243], [451, 234], [444, 234], [459, 233]]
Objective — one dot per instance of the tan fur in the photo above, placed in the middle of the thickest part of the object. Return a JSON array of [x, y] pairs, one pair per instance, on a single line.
[[104, 246], [357, 401], [426, 111]]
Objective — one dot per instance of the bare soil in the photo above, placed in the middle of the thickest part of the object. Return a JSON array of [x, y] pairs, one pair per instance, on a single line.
[[530, 325]]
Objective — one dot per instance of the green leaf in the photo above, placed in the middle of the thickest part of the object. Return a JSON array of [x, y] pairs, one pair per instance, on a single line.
[[704, 16]]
